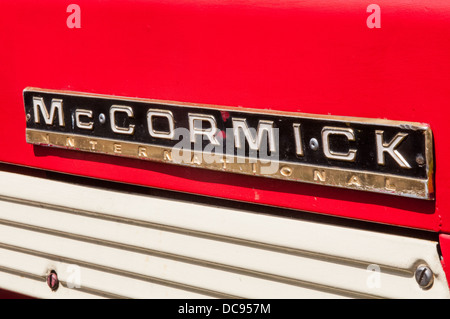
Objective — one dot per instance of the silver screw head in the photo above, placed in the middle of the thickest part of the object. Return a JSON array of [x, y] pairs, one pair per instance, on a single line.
[[314, 144], [102, 118], [424, 276]]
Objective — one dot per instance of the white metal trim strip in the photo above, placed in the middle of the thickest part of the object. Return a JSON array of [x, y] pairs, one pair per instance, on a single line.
[[188, 249]]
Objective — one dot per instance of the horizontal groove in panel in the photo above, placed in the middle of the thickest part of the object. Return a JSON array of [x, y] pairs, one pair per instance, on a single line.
[[203, 252], [149, 267], [125, 284], [161, 238], [86, 279], [39, 289], [298, 235], [207, 250], [316, 276], [115, 271], [195, 245]]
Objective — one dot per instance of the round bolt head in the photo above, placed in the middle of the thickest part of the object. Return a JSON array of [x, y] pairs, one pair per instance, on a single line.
[[102, 118], [314, 144], [420, 160], [424, 276]]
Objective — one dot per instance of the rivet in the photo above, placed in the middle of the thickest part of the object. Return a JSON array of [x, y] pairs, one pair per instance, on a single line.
[[52, 280], [314, 144], [102, 118], [286, 171], [420, 160]]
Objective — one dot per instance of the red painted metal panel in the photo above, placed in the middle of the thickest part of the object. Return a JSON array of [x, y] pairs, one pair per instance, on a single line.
[[444, 243], [6, 294], [315, 57]]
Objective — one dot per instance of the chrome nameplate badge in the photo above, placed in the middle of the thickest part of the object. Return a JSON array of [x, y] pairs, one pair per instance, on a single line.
[[376, 155]]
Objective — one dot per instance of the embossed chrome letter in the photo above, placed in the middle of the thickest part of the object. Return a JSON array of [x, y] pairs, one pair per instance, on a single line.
[[348, 133], [389, 148], [112, 114], [254, 142], [56, 106], [298, 139], [83, 125], [209, 132], [160, 113]]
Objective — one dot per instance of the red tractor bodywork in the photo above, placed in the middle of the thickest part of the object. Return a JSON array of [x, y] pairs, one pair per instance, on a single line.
[[312, 57]]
